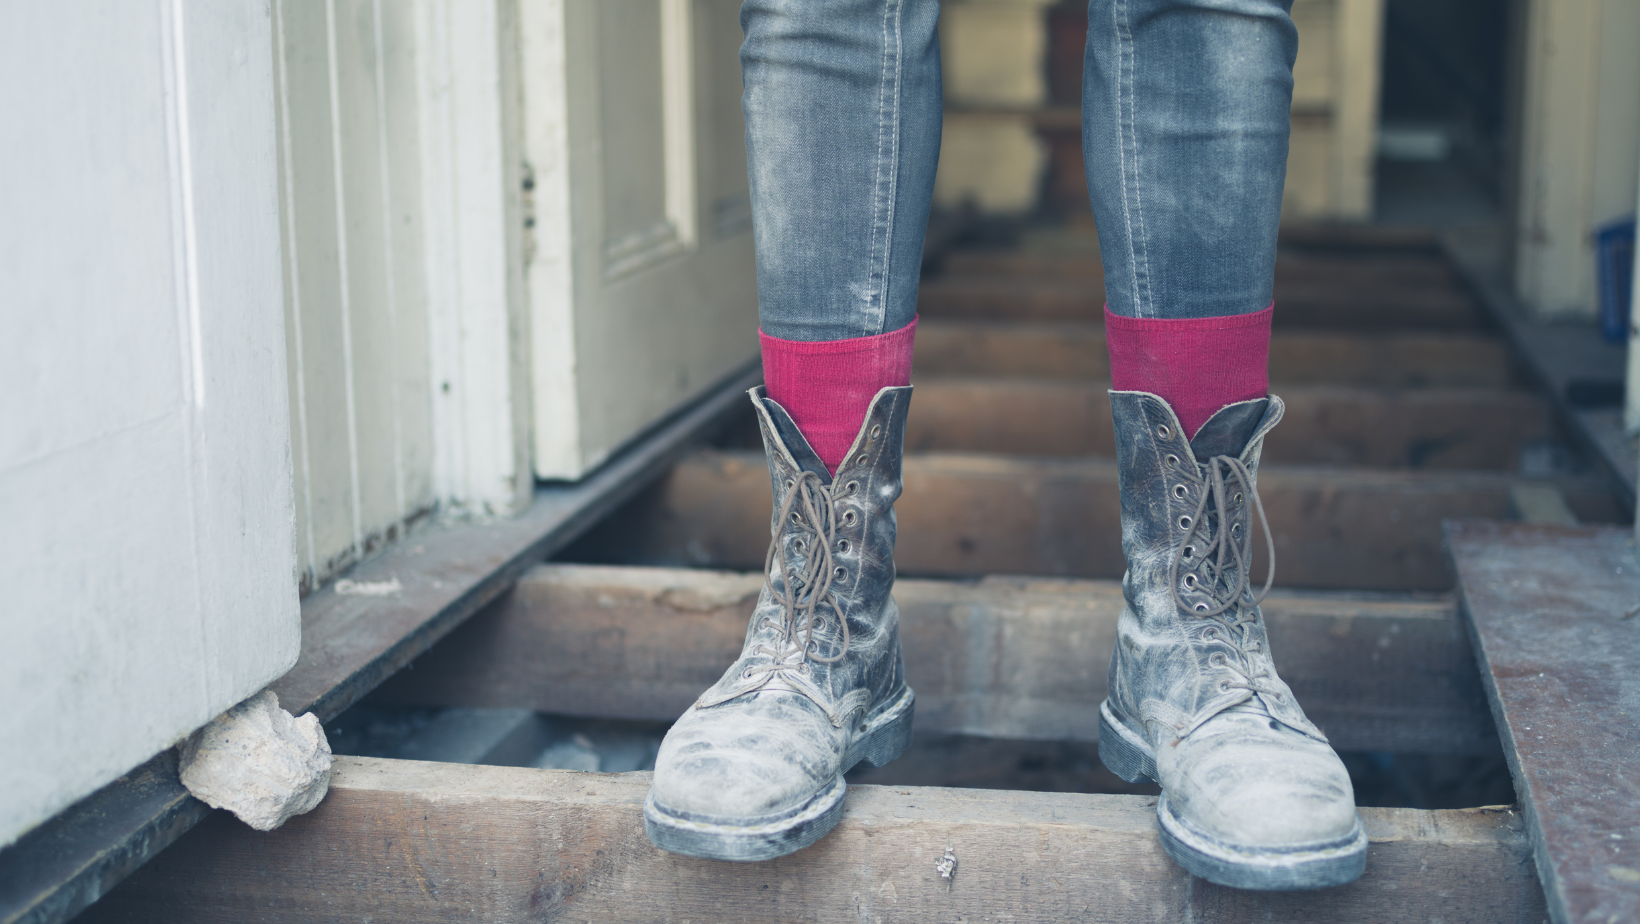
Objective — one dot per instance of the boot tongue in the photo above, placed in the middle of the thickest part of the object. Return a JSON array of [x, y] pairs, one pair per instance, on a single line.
[[796, 443], [1226, 433]]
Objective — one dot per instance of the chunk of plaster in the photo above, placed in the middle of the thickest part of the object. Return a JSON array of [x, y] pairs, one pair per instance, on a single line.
[[259, 762]]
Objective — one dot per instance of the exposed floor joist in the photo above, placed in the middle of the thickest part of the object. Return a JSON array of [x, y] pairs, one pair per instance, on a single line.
[[980, 514], [1077, 351], [1446, 428], [349, 644], [1312, 303], [407, 841], [1551, 609], [1004, 657]]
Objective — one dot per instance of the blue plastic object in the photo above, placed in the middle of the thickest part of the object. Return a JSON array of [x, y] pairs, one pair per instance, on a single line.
[[1614, 264]]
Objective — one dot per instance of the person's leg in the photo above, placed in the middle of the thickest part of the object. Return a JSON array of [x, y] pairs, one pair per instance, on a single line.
[[1185, 123], [1186, 111], [842, 109]]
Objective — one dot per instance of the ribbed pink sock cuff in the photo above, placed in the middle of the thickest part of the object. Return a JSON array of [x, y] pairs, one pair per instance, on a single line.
[[827, 386], [1198, 365]]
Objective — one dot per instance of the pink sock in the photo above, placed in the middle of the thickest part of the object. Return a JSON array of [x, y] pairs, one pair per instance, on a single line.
[[1197, 365], [827, 386]]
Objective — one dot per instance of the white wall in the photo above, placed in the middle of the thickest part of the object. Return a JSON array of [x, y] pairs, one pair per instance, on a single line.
[[146, 515], [403, 269]]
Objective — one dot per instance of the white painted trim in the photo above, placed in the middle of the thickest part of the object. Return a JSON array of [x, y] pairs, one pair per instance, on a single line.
[[678, 108], [544, 57], [474, 312]]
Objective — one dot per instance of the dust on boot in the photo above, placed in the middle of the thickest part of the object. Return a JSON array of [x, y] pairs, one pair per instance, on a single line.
[[754, 769], [1252, 795]]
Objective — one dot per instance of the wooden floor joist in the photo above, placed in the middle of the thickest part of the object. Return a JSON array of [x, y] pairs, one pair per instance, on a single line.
[[965, 514], [407, 841], [1077, 351], [1467, 428], [1300, 304], [1003, 658]]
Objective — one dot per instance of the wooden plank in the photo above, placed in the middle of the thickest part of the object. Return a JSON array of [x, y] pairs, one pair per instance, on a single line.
[[1550, 609], [349, 645], [1360, 529], [1354, 301], [441, 842], [1001, 658], [1428, 429], [1077, 351]]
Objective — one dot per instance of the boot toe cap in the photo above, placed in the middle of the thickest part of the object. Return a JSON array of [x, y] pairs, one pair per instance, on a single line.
[[1274, 789], [740, 769]]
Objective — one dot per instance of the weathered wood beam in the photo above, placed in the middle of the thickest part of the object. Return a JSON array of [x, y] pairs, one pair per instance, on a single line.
[[964, 515], [1359, 301], [1394, 269], [407, 841], [1077, 351], [1001, 658], [1551, 611], [1472, 429]]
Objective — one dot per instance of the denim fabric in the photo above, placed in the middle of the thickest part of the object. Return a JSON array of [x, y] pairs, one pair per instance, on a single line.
[[842, 102], [1185, 115]]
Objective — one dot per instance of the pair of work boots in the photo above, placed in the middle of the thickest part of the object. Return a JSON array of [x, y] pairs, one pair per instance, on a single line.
[[1252, 795]]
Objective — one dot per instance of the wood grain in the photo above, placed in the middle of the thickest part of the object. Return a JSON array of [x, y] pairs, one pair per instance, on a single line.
[[1448, 429], [1546, 606], [1077, 351], [963, 514], [1004, 657], [407, 841]]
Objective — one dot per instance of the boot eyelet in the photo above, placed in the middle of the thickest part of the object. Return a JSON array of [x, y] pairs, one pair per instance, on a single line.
[[839, 573], [1238, 497], [1190, 581], [800, 544], [746, 674], [1184, 522], [796, 518], [1180, 490], [876, 432], [852, 487], [1281, 698], [849, 518], [843, 545], [803, 668], [1164, 431], [1189, 551], [1201, 607], [790, 484], [861, 460], [1217, 660], [1235, 529], [1172, 459], [1224, 686]]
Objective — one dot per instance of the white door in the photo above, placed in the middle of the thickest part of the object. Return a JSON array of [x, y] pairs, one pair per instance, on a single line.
[[146, 515], [642, 287]]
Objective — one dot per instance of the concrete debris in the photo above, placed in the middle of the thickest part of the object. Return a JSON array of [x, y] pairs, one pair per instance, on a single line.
[[259, 762]]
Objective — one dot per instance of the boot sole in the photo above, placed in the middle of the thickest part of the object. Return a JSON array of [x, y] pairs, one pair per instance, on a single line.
[[764, 838], [1264, 868]]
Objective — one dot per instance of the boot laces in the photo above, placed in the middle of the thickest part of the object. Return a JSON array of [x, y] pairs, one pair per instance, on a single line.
[[809, 506], [1220, 561]]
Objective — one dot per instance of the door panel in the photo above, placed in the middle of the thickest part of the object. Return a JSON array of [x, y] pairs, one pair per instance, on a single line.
[[631, 118]]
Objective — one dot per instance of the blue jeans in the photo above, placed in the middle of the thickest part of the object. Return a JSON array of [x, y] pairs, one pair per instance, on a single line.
[[1185, 115]]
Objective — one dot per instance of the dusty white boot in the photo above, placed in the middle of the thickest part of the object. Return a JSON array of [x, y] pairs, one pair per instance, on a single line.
[[754, 770], [1252, 795]]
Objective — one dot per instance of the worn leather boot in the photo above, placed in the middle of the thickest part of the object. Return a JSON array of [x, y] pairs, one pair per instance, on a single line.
[[1252, 795], [754, 770]]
